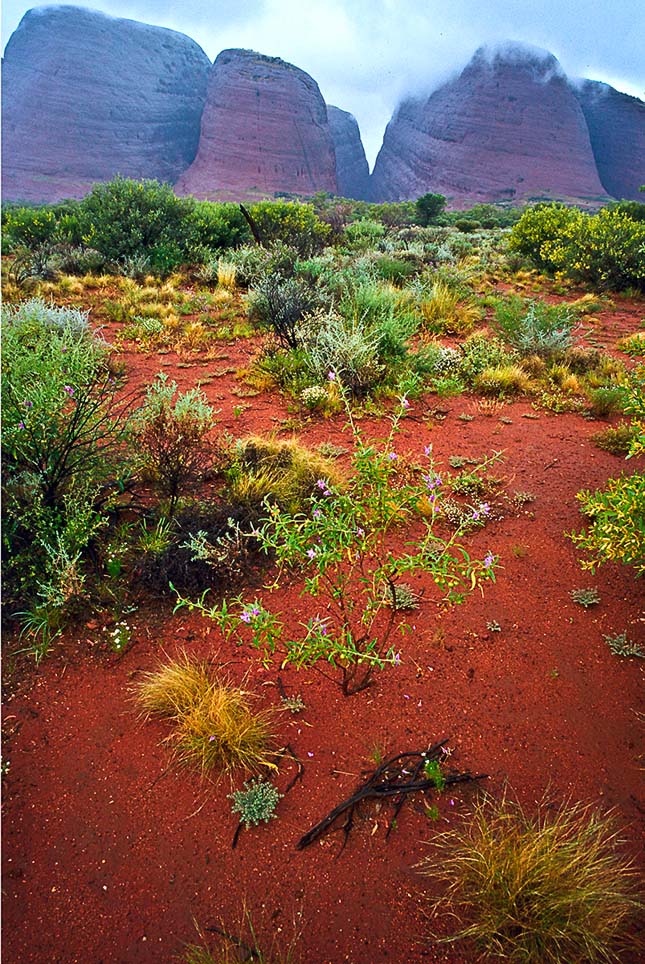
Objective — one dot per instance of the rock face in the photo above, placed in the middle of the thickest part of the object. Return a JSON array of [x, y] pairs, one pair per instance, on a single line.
[[616, 125], [264, 129], [352, 169], [87, 96], [508, 128]]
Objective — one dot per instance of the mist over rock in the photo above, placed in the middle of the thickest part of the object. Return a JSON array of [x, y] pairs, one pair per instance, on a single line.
[[264, 129], [86, 96], [352, 169], [508, 128], [616, 123]]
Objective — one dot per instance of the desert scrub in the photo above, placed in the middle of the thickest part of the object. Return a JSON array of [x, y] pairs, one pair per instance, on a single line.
[[604, 249], [169, 433], [62, 467], [534, 327], [540, 889], [214, 727], [346, 348], [340, 545]]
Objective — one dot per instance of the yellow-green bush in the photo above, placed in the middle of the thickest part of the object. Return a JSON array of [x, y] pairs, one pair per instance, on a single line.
[[605, 249]]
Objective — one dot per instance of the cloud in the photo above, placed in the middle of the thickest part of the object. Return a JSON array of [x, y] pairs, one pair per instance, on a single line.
[[368, 54]]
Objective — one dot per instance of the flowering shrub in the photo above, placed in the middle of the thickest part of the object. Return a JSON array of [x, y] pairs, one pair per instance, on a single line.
[[342, 546], [606, 249]]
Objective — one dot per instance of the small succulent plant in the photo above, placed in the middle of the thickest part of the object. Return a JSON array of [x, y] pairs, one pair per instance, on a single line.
[[295, 704], [256, 802], [620, 645], [585, 597]]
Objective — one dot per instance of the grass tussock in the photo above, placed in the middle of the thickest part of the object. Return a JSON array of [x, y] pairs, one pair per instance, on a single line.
[[284, 471], [547, 889], [214, 727]]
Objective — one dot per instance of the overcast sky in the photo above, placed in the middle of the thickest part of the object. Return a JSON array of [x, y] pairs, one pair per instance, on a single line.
[[366, 54]]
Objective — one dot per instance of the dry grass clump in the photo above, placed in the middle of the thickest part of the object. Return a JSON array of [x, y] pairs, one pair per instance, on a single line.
[[548, 889], [213, 724], [503, 380], [284, 471]]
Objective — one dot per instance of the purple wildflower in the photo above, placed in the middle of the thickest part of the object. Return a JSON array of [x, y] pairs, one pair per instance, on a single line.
[[69, 390], [428, 451], [489, 559], [432, 481], [392, 456], [21, 425], [29, 403], [311, 553], [396, 659], [317, 513], [331, 376], [246, 617]]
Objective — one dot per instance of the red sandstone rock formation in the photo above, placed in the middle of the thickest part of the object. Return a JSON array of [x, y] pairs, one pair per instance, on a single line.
[[616, 125], [352, 169], [264, 129], [507, 129], [86, 96]]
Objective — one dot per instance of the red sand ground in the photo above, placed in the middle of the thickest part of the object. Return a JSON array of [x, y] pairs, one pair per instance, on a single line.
[[110, 856]]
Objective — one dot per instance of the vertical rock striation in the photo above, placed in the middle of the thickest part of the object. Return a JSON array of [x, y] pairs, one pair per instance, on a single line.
[[616, 123], [264, 129], [86, 96], [508, 128], [352, 169]]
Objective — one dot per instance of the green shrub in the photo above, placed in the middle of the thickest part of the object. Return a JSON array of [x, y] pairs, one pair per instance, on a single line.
[[124, 218], [293, 223], [605, 249], [62, 427], [618, 440], [534, 328], [343, 349], [169, 435], [215, 227], [616, 531], [280, 304], [537, 890], [606, 400], [428, 207], [480, 352], [255, 803], [364, 234]]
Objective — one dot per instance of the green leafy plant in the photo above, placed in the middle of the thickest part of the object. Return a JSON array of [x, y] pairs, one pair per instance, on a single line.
[[540, 889], [342, 545], [433, 772], [256, 802]]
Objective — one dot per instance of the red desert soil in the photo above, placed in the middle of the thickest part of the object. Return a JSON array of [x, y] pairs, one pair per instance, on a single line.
[[111, 856]]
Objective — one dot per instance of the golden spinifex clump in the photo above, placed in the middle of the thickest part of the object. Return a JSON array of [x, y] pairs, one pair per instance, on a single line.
[[540, 889], [213, 724]]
